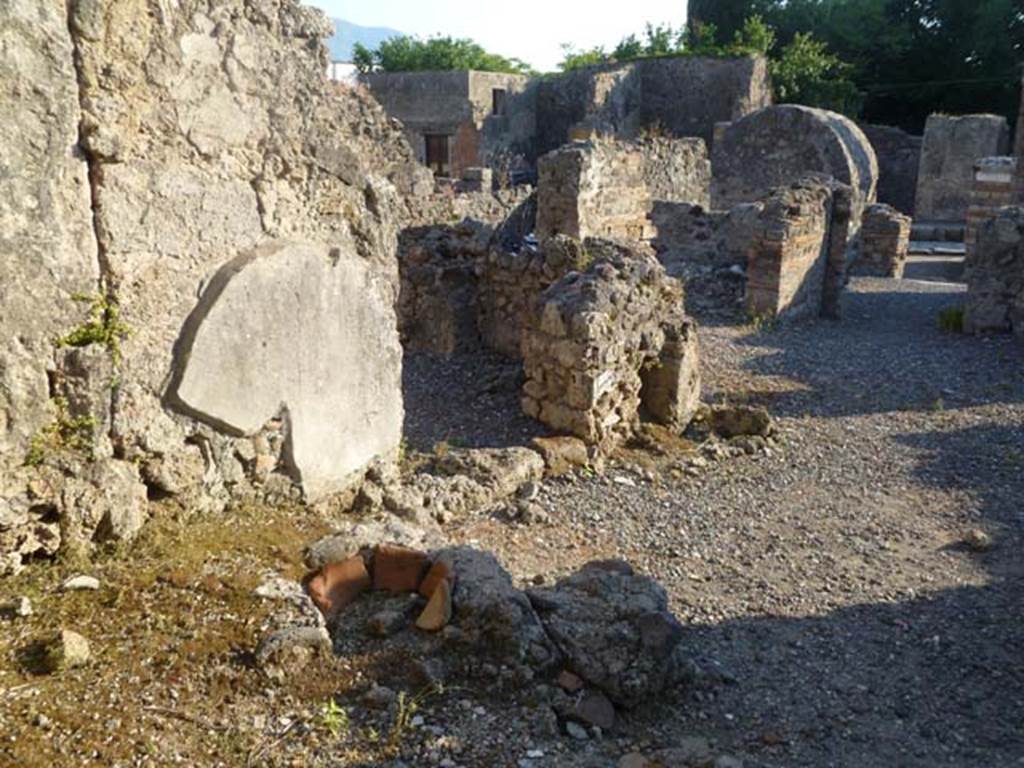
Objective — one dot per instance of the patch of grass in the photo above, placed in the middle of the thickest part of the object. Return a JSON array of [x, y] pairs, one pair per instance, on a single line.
[[407, 709], [762, 324], [63, 434], [103, 326], [951, 319], [334, 718]]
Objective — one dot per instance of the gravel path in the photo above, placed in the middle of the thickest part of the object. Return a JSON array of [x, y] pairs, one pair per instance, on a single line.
[[839, 618]]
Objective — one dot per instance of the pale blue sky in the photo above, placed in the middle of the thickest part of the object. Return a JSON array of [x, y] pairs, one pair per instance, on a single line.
[[531, 30]]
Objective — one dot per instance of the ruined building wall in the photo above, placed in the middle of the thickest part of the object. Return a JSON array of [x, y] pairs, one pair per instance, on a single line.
[[796, 260], [680, 95], [994, 186], [885, 240], [899, 156], [995, 275], [229, 186], [604, 341], [952, 145], [607, 188]]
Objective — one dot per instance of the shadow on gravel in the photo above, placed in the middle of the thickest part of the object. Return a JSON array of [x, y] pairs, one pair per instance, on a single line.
[[886, 354], [470, 400], [928, 682]]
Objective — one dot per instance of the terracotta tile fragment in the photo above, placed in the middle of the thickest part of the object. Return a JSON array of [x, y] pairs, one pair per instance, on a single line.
[[338, 584], [398, 569], [440, 571], [438, 612]]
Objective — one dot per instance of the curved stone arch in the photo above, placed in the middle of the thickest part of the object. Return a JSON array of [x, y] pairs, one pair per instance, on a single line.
[[779, 145]]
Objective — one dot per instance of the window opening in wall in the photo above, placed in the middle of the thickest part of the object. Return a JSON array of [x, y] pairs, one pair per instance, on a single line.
[[498, 99]]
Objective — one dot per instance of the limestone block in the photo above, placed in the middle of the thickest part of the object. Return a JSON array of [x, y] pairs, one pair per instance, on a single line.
[[304, 332]]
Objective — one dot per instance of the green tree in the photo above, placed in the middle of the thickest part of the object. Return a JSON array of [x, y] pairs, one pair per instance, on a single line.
[[755, 36], [573, 58], [411, 54], [807, 73]]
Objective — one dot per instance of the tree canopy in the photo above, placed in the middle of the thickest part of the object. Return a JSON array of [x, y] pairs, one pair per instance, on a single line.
[[412, 54], [907, 59]]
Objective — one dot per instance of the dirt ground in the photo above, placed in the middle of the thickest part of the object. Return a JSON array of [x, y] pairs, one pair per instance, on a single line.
[[834, 611]]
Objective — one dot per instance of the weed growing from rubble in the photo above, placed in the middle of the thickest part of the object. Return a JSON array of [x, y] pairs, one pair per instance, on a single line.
[[103, 326], [951, 319], [64, 433], [761, 324], [334, 718], [407, 709]]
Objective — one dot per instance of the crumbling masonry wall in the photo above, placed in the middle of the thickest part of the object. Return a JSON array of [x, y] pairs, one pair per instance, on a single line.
[[995, 275], [604, 341], [952, 145], [796, 263], [192, 169], [993, 187], [885, 240], [607, 188], [899, 157]]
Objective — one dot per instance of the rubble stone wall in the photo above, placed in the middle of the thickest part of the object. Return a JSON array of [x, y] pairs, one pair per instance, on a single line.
[[952, 145], [885, 240], [899, 157], [604, 341], [225, 207], [994, 186], [607, 188], [995, 275], [681, 96]]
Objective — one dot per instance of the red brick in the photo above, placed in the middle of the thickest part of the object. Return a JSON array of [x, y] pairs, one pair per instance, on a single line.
[[438, 612]]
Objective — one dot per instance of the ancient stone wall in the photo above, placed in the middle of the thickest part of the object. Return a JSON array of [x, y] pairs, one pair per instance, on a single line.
[[680, 95], [229, 187], [995, 275], [607, 188], [885, 240], [994, 186], [899, 156], [604, 341], [796, 262], [779, 145], [952, 145]]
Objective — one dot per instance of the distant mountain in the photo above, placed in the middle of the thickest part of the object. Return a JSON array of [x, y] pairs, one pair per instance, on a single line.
[[347, 34]]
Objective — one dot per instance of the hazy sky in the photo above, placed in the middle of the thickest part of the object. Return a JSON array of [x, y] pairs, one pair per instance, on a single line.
[[531, 30]]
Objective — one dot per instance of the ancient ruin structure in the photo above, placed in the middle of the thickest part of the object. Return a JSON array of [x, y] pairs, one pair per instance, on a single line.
[[796, 263], [232, 222], [952, 145], [899, 156], [994, 185], [995, 275], [455, 120], [605, 188], [779, 145], [885, 240], [604, 341]]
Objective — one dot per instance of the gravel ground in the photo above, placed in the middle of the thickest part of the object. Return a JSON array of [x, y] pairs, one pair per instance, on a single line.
[[838, 616]]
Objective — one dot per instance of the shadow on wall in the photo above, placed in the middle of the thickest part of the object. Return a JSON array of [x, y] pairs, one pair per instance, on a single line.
[[887, 355]]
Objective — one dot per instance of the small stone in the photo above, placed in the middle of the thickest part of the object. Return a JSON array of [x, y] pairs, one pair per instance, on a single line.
[[727, 761], [594, 708], [633, 760], [66, 650], [42, 721], [576, 731], [338, 584], [19, 608], [569, 682], [532, 514], [386, 623], [438, 611], [379, 697], [398, 569], [528, 491], [977, 540], [80, 584]]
